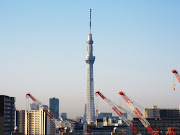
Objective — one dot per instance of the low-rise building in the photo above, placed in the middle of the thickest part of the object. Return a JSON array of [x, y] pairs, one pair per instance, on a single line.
[[161, 124], [155, 112]]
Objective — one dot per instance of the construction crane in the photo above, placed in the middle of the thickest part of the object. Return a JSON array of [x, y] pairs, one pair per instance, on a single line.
[[59, 124], [177, 76], [171, 131], [115, 108], [175, 72], [88, 132], [152, 131]]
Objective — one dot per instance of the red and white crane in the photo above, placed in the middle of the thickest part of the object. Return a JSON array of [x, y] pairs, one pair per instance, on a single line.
[[175, 72], [57, 123], [115, 108], [152, 131], [171, 131]]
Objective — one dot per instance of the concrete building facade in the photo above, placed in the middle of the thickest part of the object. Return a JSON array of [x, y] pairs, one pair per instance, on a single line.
[[155, 112], [36, 122], [20, 120], [54, 110], [159, 118], [7, 114], [161, 124], [54, 107], [33, 106]]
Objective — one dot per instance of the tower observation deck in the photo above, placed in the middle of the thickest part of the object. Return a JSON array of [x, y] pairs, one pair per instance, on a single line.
[[89, 114]]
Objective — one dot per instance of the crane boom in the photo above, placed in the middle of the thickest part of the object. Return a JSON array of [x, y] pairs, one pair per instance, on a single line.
[[119, 113], [143, 120], [175, 72], [58, 124]]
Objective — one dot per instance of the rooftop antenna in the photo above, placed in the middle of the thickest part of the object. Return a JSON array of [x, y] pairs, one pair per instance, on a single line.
[[89, 21]]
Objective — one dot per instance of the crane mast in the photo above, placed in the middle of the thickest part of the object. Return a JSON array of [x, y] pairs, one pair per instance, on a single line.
[[175, 72], [118, 113], [58, 124], [143, 120]]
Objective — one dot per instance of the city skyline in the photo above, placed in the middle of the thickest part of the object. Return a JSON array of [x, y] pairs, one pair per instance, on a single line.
[[136, 45]]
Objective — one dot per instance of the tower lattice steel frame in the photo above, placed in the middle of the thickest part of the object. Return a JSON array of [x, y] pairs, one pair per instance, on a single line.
[[89, 114]]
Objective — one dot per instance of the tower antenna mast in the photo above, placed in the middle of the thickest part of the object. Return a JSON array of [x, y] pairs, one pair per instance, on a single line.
[[89, 21]]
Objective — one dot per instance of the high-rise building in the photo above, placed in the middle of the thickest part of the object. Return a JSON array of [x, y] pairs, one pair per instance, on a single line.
[[20, 120], [64, 116], [54, 107], [36, 122], [89, 114], [34, 106], [7, 114], [54, 110]]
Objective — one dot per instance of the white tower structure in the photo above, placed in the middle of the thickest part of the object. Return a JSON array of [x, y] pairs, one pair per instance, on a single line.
[[89, 114]]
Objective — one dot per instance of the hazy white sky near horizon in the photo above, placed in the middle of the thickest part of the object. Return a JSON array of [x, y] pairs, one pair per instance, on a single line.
[[136, 44]]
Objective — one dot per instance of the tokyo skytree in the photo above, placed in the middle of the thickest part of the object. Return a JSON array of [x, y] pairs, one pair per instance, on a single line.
[[89, 114]]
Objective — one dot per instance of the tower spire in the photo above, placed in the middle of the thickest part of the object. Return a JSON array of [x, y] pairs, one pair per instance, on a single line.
[[89, 21]]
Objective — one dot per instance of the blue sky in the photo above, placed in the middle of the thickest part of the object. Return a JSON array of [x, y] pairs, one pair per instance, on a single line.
[[136, 44]]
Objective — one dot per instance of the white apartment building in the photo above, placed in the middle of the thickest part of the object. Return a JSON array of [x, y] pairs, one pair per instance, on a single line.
[[36, 122]]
